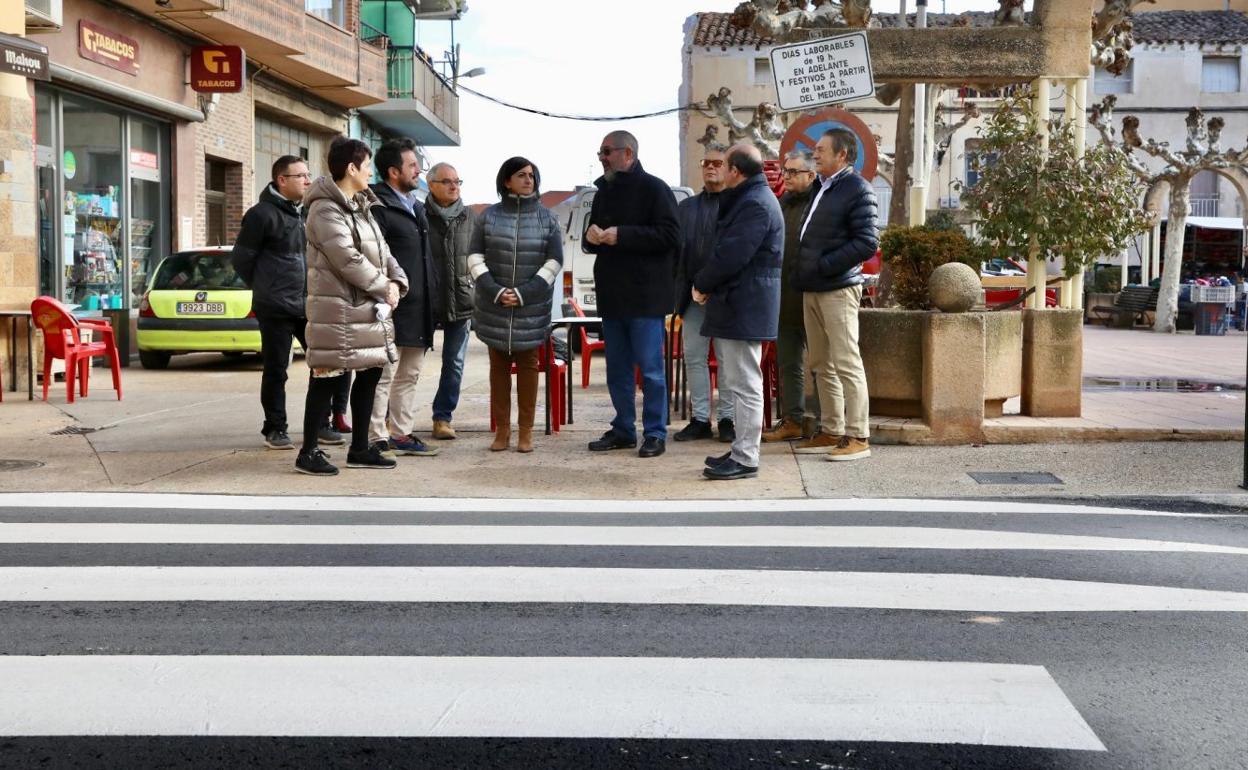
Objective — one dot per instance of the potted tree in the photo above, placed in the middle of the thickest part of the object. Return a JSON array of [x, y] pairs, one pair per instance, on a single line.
[[1065, 206]]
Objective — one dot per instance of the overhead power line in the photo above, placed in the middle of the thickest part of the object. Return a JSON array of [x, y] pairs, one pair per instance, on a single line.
[[567, 116]]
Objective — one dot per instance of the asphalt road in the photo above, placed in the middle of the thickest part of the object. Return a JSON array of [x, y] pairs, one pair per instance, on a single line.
[[166, 631]]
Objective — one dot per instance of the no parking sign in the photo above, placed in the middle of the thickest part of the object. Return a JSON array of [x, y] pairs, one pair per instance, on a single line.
[[806, 130]]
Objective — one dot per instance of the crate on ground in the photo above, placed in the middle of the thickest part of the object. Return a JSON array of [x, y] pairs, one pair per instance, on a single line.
[[1223, 295]]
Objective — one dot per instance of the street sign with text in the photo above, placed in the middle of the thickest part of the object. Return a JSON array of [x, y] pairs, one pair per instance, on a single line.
[[821, 72]]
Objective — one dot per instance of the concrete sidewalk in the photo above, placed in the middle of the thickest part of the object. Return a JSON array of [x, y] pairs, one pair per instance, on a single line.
[[195, 428]]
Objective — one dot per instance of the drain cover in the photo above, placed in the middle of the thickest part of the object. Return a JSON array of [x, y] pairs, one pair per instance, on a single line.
[[73, 430], [993, 477], [19, 465]]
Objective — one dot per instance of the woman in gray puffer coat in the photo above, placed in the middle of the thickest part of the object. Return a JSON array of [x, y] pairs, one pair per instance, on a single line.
[[515, 256], [353, 286]]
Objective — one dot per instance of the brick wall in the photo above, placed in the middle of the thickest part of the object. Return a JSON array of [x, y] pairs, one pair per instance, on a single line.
[[19, 277], [228, 134]]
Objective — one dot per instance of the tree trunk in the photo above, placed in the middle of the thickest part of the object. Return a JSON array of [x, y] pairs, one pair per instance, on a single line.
[[903, 155], [1176, 225]]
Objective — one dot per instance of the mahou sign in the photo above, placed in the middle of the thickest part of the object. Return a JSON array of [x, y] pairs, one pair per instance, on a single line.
[[112, 49]]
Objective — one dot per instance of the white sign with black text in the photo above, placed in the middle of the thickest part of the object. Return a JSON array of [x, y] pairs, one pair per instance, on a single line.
[[822, 72]]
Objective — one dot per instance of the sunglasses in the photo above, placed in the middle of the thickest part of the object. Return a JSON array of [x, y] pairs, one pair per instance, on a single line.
[[605, 151], [711, 163]]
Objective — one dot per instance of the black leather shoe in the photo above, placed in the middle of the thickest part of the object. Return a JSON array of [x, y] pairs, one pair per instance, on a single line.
[[729, 469], [727, 433], [652, 447], [611, 440], [712, 460], [695, 431]]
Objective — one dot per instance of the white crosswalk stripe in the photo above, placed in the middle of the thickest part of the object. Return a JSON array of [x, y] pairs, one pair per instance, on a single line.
[[115, 556]]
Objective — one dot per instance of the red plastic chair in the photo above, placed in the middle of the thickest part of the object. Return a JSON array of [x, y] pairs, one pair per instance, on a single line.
[[588, 346], [558, 386], [62, 339]]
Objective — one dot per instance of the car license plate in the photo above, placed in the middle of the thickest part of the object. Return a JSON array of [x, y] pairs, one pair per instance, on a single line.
[[591, 300], [201, 308]]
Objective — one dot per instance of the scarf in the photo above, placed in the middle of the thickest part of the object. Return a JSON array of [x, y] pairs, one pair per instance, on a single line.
[[447, 214]]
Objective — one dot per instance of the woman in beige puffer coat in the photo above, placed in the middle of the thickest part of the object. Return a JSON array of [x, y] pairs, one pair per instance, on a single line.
[[353, 285]]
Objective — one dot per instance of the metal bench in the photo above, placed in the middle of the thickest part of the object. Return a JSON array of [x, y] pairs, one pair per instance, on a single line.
[[1132, 305]]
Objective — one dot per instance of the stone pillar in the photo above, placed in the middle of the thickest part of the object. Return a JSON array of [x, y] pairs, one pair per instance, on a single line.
[[954, 362], [1052, 363], [19, 274]]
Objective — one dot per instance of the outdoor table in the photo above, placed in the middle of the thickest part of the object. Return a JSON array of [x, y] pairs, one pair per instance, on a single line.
[[13, 315]]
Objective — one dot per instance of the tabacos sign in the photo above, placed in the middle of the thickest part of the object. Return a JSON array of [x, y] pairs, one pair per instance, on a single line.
[[112, 49], [218, 69]]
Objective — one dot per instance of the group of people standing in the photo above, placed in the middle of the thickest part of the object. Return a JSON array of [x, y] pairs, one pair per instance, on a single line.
[[362, 274]]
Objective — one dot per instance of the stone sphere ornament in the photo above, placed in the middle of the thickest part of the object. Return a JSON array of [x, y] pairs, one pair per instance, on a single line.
[[954, 287]]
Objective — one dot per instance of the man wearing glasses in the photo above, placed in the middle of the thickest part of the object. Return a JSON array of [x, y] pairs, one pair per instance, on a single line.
[[269, 255], [635, 233], [699, 219], [799, 177], [450, 230]]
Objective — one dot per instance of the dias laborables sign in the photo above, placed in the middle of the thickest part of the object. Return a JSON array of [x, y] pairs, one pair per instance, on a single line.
[[819, 72], [218, 69]]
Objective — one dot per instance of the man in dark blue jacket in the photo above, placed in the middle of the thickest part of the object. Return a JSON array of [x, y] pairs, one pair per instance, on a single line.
[[635, 234], [403, 224], [740, 289], [699, 219], [839, 233], [269, 255]]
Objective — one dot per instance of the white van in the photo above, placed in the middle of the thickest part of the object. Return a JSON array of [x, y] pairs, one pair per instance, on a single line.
[[580, 263]]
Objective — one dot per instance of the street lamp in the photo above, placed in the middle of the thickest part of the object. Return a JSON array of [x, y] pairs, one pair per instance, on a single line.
[[472, 73]]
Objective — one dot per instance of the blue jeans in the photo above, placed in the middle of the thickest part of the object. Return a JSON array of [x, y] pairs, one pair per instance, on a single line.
[[454, 347], [636, 342]]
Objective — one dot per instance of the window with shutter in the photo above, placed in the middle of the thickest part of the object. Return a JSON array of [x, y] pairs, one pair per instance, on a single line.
[[1220, 75]]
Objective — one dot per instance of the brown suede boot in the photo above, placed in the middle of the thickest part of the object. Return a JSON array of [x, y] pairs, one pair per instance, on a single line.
[[500, 400], [526, 400]]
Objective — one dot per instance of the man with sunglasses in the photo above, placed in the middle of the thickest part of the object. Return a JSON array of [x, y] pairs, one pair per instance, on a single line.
[[635, 233], [269, 255], [799, 178], [699, 218]]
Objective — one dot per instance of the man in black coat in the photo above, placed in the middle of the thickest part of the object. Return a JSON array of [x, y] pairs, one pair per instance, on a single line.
[[635, 233], [403, 224], [699, 219], [740, 288], [839, 233], [269, 256]]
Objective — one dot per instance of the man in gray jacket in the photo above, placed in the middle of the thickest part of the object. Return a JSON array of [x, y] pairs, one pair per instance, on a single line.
[[450, 230]]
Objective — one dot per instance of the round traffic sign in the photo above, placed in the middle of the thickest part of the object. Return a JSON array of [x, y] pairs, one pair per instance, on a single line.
[[806, 130]]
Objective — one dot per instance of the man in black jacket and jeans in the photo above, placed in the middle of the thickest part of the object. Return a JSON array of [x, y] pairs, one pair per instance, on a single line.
[[269, 255], [839, 233], [635, 233]]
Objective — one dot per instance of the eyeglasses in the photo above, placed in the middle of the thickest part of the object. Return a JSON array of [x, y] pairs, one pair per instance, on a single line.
[[304, 175], [605, 151], [796, 171], [711, 163], [448, 182]]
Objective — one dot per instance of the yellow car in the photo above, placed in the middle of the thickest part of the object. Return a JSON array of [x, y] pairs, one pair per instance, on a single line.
[[196, 303]]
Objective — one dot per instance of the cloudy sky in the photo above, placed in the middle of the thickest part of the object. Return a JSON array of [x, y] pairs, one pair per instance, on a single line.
[[585, 57]]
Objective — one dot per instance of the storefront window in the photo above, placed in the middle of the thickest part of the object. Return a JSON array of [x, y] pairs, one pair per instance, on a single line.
[[92, 167], [49, 206], [147, 165]]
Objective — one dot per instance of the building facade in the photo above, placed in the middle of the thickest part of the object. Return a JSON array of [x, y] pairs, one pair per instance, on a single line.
[[114, 162]]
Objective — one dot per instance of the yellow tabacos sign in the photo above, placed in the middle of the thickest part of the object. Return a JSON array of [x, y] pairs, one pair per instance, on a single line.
[[107, 47]]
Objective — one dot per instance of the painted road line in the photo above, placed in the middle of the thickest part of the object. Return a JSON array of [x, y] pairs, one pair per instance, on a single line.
[[814, 536], [176, 502], [672, 698], [783, 588]]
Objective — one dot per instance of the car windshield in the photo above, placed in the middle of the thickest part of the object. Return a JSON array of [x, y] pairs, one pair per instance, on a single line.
[[198, 270]]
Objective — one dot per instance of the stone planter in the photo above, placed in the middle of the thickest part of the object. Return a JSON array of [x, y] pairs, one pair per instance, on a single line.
[[951, 369], [1052, 363]]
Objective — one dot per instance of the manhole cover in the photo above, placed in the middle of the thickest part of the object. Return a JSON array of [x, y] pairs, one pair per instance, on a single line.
[[74, 430], [19, 465], [994, 477]]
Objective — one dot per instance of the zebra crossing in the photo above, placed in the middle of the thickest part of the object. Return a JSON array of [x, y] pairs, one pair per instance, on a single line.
[[890, 632]]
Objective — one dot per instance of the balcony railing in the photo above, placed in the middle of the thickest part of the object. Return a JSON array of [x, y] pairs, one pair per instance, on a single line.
[[1204, 205], [411, 76]]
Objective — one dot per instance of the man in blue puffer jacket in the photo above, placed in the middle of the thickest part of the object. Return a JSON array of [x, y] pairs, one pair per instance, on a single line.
[[740, 288], [838, 234]]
